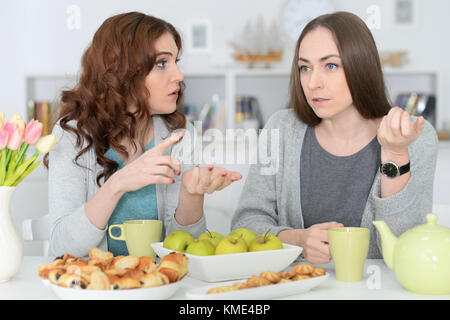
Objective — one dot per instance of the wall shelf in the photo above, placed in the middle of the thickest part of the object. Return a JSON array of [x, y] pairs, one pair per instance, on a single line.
[[270, 86]]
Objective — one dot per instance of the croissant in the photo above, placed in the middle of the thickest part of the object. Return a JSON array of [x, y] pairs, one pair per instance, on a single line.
[[84, 271], [147, 264], [125, 262], [70, 280], [98, 254], [125, 283], [174, 266], [154, 279], [55, 274], [44, 269], [98, 281]]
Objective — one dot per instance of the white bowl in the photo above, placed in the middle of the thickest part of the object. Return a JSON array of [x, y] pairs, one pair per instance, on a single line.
[[155, 293], [237, 265]]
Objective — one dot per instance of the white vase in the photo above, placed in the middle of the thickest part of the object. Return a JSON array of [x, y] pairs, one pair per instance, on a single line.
[[11, 246]]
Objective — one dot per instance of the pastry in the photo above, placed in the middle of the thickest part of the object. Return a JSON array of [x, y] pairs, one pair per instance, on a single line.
[[84, 271], [44, 269], [271, 276], [303, 268], [125, 262], [318, 272], [287, 274], [154, 279], [98, 281], [174, 266], [55, 274], [98, 254], [239, 285], [256, 281], [70, 280], [103, 271], [300, 277], [147, 264], [221, 289], [76, 263], [98, 263], [126, 283]]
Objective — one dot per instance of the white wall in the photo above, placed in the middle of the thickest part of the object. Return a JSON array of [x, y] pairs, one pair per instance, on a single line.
[[36, 40]]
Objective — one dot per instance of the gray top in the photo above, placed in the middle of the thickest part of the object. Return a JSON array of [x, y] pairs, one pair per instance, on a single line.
[[272, 201], [71, 186], [346, 180]]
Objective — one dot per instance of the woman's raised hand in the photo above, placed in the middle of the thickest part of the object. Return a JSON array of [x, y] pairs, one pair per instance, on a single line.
[[152, 167], [201, 180], [396, 131]]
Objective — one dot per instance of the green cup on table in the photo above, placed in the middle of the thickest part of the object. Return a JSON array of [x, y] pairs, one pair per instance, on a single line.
[[139, 235], [349, 247]]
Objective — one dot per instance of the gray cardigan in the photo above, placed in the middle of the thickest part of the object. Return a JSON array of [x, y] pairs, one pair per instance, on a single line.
[[71, 186], [272, 202]]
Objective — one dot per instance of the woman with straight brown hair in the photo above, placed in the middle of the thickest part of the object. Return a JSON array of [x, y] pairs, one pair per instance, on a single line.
[[346, 157], [121, 140]]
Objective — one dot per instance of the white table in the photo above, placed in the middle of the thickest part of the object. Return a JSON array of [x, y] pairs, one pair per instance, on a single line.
[[379, 283]]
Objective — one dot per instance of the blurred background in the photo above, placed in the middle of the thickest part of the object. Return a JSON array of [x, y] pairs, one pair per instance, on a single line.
[[236, 61]]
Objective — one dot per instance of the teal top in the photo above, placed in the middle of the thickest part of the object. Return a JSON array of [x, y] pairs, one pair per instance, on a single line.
[[134, 205]]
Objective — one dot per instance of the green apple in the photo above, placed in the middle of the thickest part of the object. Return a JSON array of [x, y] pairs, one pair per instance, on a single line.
[[201, 248], [266, 241], [231, 244], [213, 237], [178, 240], [246, 234]]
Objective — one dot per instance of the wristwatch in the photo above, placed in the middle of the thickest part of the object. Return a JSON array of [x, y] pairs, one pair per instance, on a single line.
[[392, 170]]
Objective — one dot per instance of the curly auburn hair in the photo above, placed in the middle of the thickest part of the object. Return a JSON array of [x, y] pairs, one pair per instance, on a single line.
[[114, 68]]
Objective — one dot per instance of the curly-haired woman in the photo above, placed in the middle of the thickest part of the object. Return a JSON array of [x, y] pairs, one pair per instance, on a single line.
[[119, 132]]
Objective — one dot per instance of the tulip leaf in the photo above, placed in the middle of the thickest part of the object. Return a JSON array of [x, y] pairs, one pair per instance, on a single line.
[[2, 166], [11, 167], [19, 171], [26, 173]]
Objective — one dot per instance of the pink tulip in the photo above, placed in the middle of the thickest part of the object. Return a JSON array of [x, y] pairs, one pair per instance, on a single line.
[[3, 138], [33, 131], [17, 119], [15, 135]]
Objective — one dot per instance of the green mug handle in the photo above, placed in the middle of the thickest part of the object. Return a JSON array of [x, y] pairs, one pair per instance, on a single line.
[[122, 235]]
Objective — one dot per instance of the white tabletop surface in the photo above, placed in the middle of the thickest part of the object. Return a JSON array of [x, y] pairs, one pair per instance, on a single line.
[[378, 282]]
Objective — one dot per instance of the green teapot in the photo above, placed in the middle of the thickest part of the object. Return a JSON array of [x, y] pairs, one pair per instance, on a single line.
[[420, 257]]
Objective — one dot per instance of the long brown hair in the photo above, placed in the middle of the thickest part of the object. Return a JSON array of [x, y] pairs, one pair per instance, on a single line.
[[361, 63], [113, 74]]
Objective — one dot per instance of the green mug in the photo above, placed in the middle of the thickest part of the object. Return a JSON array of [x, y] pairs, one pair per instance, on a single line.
[[348, 248], [138, 235]]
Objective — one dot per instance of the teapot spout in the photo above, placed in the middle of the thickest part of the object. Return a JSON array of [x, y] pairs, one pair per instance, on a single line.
[[388, 242]]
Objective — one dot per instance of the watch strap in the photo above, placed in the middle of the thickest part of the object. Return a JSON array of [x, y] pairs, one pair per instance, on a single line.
[[405, 168]]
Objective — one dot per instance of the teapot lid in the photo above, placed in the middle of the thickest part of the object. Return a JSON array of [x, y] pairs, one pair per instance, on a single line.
[[431, 225]]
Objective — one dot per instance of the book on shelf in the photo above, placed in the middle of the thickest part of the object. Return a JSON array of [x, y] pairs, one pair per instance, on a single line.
[[42, 112]]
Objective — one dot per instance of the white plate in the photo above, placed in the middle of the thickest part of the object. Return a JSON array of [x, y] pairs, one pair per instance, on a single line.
[[237, 265], [159, 293], [264, 292]]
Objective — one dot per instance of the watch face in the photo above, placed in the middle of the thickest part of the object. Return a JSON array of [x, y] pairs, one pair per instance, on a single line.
[[390, 169]]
